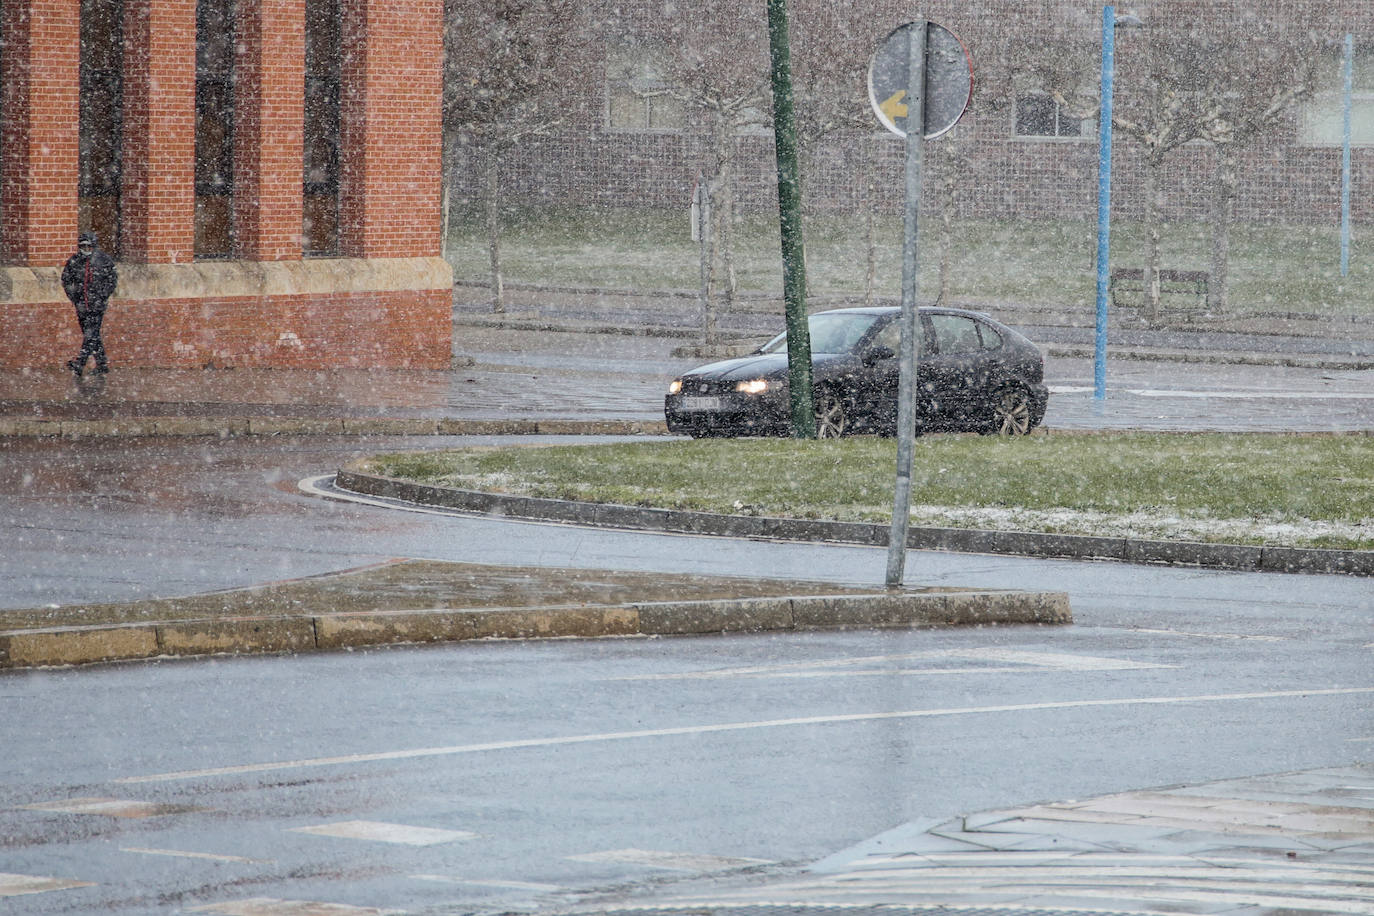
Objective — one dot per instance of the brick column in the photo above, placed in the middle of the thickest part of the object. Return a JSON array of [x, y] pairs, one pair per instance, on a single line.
[[390, 130], [40, 78], [269, 76], [158, 203]]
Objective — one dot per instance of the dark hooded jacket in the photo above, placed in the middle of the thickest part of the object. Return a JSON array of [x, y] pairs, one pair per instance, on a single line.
[[89, 280]]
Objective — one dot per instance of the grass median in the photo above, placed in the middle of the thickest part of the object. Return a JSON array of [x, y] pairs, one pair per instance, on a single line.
[[1258, 489]]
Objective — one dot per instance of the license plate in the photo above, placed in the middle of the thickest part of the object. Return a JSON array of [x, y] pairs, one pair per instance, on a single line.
[[700, 403]]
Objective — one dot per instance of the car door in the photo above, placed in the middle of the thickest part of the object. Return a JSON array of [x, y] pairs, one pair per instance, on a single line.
[[958, 369], [886, 371]]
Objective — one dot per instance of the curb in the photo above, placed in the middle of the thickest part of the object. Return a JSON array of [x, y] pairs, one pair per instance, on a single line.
[[961, 540], [229, 427], [356, 629]]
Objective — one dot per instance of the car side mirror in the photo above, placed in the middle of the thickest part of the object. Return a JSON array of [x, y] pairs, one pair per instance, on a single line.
[[878, 354]]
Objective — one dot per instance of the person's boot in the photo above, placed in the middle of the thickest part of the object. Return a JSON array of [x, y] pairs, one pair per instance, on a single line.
[[102, 367], [75, 367]]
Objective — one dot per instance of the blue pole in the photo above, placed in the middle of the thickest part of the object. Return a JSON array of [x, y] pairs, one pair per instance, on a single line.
[[1349, 68], [1104, 203]]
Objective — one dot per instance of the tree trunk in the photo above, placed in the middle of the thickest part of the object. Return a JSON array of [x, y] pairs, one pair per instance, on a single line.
[[492, 178], [945, 161], [870, 226], [1223, 205], [1152, 256]]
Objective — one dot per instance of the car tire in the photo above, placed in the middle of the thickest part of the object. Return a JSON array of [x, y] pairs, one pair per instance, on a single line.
[[1011, 412], [832, 421]]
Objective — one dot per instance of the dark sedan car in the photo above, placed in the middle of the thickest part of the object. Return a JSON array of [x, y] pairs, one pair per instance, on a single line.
[[974, 374]]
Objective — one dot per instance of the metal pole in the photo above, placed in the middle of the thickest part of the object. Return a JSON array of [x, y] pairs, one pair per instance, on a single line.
[[1349, 74], [1104, 203], [789, 212], [906, 385]]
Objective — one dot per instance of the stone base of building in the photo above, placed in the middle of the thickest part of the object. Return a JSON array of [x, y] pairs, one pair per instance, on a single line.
[[315, 314]]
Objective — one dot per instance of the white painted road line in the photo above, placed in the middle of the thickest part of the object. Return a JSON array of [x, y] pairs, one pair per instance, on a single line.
[[675, 861], [1226, 394], [109, 807], [1207, 635], [270, 906], [14, 885], [506, 885], [181, 854], [806, 721], [1020, 660], [378, 832]]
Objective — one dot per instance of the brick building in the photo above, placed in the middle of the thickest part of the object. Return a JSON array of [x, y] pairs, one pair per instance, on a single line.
[[265, 172], [1020, 156]]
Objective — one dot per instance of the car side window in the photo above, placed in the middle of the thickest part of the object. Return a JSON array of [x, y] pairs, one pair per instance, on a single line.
[[956, 334], [891, 337], [991, 339]]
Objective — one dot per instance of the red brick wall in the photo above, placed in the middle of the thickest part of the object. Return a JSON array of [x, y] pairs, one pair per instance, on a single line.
[[269, 81], [392, 329], [39, 78], [158, 205], [390, 126]]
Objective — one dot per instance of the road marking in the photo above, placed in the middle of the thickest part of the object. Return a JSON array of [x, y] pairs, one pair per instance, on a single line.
[[109, 807], [1208, 635], [378, 832], [270, 906], [1023, 660], [675, 861], [1230, 394], [13, 885], [180, 854], [417, 753], [1119, 882], [508, 885]]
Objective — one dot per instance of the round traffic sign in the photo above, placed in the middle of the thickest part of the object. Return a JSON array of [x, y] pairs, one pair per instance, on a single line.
[[948, 79]]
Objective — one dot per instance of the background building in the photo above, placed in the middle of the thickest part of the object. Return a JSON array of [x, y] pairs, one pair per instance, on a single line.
[[628, 140]]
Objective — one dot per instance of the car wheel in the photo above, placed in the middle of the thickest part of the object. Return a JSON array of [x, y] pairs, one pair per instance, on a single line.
[[831, 420], [1011, 412]]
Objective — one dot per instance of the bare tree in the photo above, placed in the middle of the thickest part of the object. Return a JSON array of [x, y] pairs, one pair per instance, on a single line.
[[831, 46], [509, 66], [716, 66], [1262, 67]]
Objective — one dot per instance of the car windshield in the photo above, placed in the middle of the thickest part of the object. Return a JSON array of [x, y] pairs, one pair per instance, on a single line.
[[831, 332]]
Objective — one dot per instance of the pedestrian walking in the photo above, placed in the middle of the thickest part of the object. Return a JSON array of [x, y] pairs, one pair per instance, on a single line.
[[89, 279]]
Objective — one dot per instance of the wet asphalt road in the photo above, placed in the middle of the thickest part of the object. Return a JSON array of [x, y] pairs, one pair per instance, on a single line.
[[520, 752], [548, 764]]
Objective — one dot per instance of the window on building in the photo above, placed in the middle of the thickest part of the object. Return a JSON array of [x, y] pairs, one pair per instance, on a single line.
[[101, 119], [214, 128], [1039, 115], [320, 224], [1322, 119], [636, 90]]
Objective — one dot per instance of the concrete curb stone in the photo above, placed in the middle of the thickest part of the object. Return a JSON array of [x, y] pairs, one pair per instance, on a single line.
[[341, 630], [963, 540]]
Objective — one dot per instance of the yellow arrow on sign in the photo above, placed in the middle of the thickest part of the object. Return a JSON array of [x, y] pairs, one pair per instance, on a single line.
[[893, 106]]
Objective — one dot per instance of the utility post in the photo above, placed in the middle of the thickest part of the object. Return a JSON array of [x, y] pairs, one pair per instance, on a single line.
[[789, 213]]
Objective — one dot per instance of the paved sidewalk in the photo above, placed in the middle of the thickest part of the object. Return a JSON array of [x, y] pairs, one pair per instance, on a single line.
[[585, 372], [1298, 844]]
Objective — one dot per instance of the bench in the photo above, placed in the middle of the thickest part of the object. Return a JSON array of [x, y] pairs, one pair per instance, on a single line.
[[1187, 289]]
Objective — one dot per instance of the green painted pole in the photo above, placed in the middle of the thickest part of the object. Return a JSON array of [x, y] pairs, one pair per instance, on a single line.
[[789, 212]]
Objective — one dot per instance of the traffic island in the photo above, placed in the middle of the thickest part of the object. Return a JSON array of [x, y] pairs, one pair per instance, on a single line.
[[415, 602]]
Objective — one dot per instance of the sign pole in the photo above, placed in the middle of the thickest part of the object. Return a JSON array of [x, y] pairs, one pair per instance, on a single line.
[[906, 386], [1104, 205], [1347, 80]]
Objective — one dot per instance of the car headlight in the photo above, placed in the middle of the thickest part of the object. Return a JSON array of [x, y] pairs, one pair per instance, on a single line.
[[675, 387], [753, 386]]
